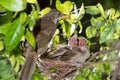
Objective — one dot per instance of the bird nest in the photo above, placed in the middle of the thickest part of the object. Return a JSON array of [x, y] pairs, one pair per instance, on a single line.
[[57, 69]]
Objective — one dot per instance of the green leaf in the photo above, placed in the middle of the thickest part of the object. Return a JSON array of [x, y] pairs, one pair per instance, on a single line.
[[14, 5], [94, 76], [16, 59], [68, 9], [15, 33], [56, 40], [30, 38], [93, 10], [23, 17], [37, 76], [12, 60], [3, 62], [6, 70], [31, 1], [4, 28], [80, 26], [59, 6], [22, 60], [106, 34], [9, 77], [117, 14], [6, 18], [101, 9], [17, 65], [112, 13], [93, 21], [81, 12], [44, 11], [57, 31], [79, 77], [107, 14], [1, 45], [34, 16], [31, 23], [117, 26], [67, 28], [90, 32], [64, 7], [98, 22], [107, 67], [86, 72], [117, 23]]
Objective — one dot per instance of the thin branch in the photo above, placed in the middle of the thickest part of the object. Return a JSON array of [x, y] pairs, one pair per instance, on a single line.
[[116, 47], [102, 52], [117, 69]]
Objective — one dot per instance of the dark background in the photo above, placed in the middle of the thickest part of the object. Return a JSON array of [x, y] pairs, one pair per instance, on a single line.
[[105, 3]]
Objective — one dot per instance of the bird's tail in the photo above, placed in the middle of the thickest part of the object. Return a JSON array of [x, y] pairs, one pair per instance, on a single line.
[[29, 66]]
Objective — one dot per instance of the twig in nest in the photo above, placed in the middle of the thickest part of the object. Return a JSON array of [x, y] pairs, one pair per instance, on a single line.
[[64, 74], [47, 64]]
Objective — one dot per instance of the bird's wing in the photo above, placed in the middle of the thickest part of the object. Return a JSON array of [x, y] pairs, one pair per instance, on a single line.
[[60, 52]]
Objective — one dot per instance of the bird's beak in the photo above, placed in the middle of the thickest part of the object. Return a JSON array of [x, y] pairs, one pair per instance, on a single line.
[[65, 16]]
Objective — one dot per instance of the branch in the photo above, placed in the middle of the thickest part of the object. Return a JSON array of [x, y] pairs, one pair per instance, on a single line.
[[116, 47], [101, 52], [117, 69]]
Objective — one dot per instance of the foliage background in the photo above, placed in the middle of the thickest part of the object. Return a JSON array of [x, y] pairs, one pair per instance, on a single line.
[[97, 21]]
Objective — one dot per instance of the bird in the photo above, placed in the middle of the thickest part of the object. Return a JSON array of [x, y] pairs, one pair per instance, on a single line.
[[72, 42], [43, 31], [82, 53], [75, 52]]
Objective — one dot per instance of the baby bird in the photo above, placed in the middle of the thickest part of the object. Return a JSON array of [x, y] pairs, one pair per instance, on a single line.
[[81, 52], [75, 51], [63, 53]]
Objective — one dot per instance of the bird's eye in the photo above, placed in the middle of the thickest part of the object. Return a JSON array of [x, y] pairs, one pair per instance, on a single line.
[[59, 14]]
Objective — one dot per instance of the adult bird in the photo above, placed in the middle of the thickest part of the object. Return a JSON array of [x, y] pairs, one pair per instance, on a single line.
[[43, 32]]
